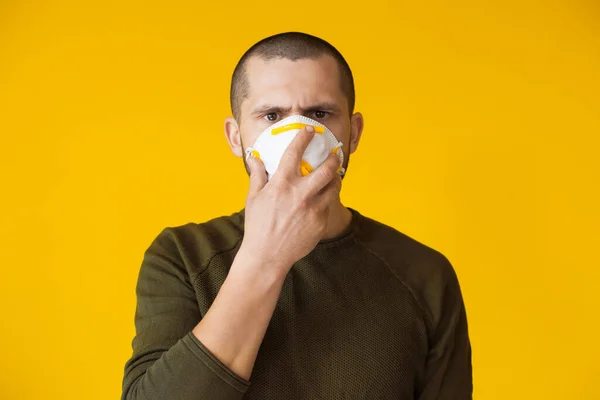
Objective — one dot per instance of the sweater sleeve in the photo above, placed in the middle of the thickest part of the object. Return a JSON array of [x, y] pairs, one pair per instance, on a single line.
[[448, 373], [168, 360]]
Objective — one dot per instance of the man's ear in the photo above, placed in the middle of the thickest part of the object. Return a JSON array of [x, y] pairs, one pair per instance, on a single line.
[[232, 134], [357, 124]]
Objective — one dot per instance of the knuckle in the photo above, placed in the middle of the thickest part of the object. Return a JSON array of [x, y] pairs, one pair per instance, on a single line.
[[303, 203], [280, 184], [291, 148], [288, 156], [327, 173]]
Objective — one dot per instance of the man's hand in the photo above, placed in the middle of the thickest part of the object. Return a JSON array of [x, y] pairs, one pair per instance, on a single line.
[[285, 219], [287, 215]]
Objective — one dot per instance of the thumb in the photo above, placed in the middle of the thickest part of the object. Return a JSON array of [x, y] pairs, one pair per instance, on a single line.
[[258, 174]]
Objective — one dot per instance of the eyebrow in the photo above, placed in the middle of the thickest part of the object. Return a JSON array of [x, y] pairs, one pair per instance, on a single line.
[[270, 108]]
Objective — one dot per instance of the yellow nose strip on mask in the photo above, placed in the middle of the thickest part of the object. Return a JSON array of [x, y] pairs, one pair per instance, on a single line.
[[296, 125], [305, 168]]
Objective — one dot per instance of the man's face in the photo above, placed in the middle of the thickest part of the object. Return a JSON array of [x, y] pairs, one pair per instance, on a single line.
[[280, 87]]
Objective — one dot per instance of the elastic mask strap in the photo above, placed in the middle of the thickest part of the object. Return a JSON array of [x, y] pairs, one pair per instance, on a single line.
[[248, 151]]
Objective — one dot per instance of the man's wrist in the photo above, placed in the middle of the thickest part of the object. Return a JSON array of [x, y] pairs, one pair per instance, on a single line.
[[256, 264]]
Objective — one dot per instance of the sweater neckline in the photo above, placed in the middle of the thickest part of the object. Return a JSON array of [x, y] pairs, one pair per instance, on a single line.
[[342, 237]]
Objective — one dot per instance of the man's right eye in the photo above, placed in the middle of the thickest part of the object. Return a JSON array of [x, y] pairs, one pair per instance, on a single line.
[[271, 116]]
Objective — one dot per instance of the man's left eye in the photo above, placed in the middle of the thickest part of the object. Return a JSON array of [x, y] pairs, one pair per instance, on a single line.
[[321, 114]]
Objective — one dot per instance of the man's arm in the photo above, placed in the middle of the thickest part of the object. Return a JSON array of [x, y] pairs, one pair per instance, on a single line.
[[178, 355], [171, 357], [448, 374]]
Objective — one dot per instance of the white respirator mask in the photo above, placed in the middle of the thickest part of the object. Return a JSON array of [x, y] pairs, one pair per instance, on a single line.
[[273, 141]]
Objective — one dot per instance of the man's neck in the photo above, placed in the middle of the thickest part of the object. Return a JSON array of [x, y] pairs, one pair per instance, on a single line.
[[339, 220]]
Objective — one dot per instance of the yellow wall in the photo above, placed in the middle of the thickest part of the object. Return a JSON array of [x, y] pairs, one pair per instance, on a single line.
[[481, 140]]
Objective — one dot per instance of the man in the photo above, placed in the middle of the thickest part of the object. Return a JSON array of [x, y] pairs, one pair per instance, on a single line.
[[296, 296]]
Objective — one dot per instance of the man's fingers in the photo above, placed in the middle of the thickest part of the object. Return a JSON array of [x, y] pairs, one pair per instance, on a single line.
[[321, 176], [331, 191], [258, 175], [291, 158]]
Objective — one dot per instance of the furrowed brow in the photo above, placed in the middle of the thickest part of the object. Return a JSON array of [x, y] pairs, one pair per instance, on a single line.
[[271, 108], [268, 108], [331, 107]]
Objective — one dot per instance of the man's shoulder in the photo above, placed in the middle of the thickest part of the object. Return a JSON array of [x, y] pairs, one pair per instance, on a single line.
[[195, 244], [426, 272], [401, 250]]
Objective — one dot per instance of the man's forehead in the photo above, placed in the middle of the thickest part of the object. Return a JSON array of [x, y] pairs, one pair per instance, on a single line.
[[309, 81]]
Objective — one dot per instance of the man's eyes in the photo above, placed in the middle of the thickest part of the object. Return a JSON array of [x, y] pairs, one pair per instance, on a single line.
[[317, 114], [269, 115]]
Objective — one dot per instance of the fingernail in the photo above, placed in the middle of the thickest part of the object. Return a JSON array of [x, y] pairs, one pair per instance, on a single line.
[[309, 128]]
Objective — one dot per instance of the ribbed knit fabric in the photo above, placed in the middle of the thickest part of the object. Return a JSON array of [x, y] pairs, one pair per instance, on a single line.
[[370, 314]]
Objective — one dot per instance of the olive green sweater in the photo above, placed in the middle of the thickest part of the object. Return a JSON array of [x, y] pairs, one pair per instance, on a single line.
[[370, 314]]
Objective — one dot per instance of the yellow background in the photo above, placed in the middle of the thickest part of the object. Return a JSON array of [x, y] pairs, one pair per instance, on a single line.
[[481, 140]]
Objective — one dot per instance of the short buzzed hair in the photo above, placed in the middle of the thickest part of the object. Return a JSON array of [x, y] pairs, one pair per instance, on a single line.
[[291, 46]]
